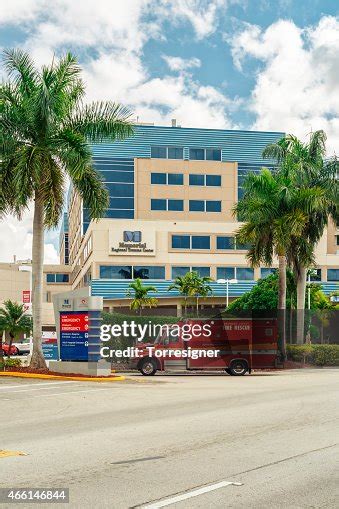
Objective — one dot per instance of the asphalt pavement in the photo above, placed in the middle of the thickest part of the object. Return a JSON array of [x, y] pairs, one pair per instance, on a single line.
[[268, 440]]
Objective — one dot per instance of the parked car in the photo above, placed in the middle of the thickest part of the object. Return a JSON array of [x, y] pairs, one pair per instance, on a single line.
[[5, 348], [24, 347]]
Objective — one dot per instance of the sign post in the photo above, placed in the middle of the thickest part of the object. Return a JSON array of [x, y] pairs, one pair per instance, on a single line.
[[78, 320]]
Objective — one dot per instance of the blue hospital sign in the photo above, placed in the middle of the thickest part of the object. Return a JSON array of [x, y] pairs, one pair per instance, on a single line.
[[74, 335]]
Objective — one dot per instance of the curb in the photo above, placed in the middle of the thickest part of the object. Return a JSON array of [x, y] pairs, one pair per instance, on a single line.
[[62, 377]]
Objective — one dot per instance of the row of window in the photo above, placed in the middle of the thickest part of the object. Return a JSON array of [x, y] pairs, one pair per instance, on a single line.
[[158, 272], [177, 179], [204, 242], [197, 154], [194, 205], [57, 278]]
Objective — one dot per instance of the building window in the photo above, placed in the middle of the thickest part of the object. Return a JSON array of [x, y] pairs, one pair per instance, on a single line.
[[175, 205], [204, 180], [225, 273], [213, 206], [315, 275], [200, 242], [225, 242], [115, 272], [239, 273], [157, 204], [202, 271], [159, 152], [197, 154], [175, 153], [179, 271], [209, 154], [213, 154], [196, 206], [204, 206], [181, 241], [158, 178], [267, 271], [162, 204], [57, 278], [149, 272], [332, 274], [244, 274], [175, 179]]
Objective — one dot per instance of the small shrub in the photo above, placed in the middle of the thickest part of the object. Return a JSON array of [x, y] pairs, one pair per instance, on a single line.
[[319, 355], [10, 363]]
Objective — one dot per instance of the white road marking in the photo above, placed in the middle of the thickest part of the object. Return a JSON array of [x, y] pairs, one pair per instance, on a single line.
[[18, 386], [71, 392], [190, 494]]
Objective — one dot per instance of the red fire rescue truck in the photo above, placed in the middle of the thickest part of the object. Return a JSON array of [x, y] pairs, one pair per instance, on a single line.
[[234, 345]]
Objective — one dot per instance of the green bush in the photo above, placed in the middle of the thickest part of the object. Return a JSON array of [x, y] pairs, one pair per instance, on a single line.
[[9, 363], [319, 355]]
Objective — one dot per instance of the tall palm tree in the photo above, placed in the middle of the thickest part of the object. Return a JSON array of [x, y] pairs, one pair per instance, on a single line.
[[201, 288], [45, 135], [182, 284], [14, 321], [140, 292], [271, 215], [305, 165]]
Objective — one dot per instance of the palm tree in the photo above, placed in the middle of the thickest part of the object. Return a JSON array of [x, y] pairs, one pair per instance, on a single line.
[[45, 136], [201, 288], [14, 321], [182, 285], [271, 215], [140, 292], [305, 165]]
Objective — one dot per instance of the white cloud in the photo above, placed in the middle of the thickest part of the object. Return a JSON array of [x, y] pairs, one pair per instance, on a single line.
[[181, 64], [297, 88], [16, 239]]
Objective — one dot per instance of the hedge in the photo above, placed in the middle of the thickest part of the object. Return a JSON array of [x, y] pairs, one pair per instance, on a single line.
[[319, 355], [9, 363]]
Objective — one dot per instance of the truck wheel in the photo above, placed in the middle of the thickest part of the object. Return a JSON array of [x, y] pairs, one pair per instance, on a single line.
[[228, 371], [238, 368], [147, 367]]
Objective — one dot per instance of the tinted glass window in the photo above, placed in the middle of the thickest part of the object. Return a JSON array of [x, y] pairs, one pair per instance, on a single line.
[[315, 275], [266, 271], [121, 190], [196, 205], [176, 205], [197, 154], [213, 206], [120, 214], [179, 271], [149, 272], [225, 242], [175, 153], [175, 179], [50, 278], [180, 241], [213, 154], [121, 203], [245, 274], [213, 180], [61, 278], [332, 274], [117, 176], [196, 180], [158, 204], [158, 178], [115, 272], [200, 242], [225, 273], [243, 246], [159, 152], [202, 271]]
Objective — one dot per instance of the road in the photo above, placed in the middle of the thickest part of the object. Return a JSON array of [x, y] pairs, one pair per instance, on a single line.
[[147, 441]]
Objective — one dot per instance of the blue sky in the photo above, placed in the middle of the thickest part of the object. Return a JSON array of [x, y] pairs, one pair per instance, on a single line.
[[245, 64]]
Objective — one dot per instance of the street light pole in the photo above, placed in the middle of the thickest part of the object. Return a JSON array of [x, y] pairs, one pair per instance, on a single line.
[[226, 282]]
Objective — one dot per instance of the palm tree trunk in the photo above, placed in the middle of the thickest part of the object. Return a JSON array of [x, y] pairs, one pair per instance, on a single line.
[[2, 366], [197, 307], [38, 360], [301, 290], [282, 306]]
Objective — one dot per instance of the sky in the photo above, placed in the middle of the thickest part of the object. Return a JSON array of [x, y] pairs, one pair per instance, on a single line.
[[235, 64]]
